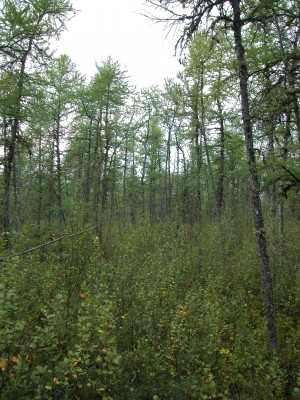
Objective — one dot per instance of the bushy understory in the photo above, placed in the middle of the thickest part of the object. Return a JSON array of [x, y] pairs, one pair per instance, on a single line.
[[154, 312]]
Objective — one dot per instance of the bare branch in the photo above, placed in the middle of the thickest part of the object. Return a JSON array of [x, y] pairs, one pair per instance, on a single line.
[[69, 235]]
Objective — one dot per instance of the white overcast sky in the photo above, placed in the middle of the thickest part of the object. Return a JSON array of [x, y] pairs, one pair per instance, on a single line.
[[103, 28]]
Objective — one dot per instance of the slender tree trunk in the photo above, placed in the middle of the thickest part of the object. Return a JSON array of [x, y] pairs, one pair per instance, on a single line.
[[98, 165], [220, 187], [198, 149], [168, 177], [61, 218], [270, 128], [133, 195], [151, 194], [6, 201], [12, 141], [198, 144], [113, 199], [104, 185], [160, 185], [40, 190], [87, 185], [16, 185], [9, 162], [284, 156], [143, 187], [52, 196], [296, 110], [253, 174], [179, 175], [144, 163], [272, 196], [203, 133], [211, 175], [281, 232], [124, 205]]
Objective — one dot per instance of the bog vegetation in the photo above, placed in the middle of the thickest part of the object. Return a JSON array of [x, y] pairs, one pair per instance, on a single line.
[[150, 238]]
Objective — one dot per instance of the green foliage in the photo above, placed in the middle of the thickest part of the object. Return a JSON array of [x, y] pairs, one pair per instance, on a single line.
[[155, 315], [160, 302], [56, 334]]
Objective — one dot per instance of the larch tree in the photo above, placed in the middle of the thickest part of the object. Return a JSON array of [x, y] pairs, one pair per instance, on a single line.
[[62, 82], [234, 15], [26, 29], [99, 123]]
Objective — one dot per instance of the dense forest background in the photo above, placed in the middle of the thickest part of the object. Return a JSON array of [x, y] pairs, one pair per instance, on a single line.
[[150, 238]]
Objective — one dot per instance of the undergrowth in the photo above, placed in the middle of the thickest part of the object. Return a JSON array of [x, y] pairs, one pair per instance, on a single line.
[[154, 312]]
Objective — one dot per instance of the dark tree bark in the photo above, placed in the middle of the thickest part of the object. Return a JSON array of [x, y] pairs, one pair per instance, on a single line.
[[192, 20], [254, 179]]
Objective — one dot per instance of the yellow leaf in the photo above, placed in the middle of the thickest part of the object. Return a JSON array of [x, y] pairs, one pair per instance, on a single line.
[[75, 361], [15, 359], [3, 364], [96, 240], [225, 351]]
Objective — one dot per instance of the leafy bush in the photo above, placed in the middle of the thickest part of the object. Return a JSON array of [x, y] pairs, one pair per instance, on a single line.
[[159, 317]]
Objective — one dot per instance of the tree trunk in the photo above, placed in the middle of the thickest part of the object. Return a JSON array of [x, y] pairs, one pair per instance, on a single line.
[[10, 157], [16, 185], [133, 196], [198, 146], [40, 189], [254, 179], [12, 142], [104, 184], [168, 189], [144, 162], [87, 183], [220, 188], [284, 156], [61, 218]]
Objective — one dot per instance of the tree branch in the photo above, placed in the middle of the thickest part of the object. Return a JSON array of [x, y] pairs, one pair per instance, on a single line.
[[69, 235]]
